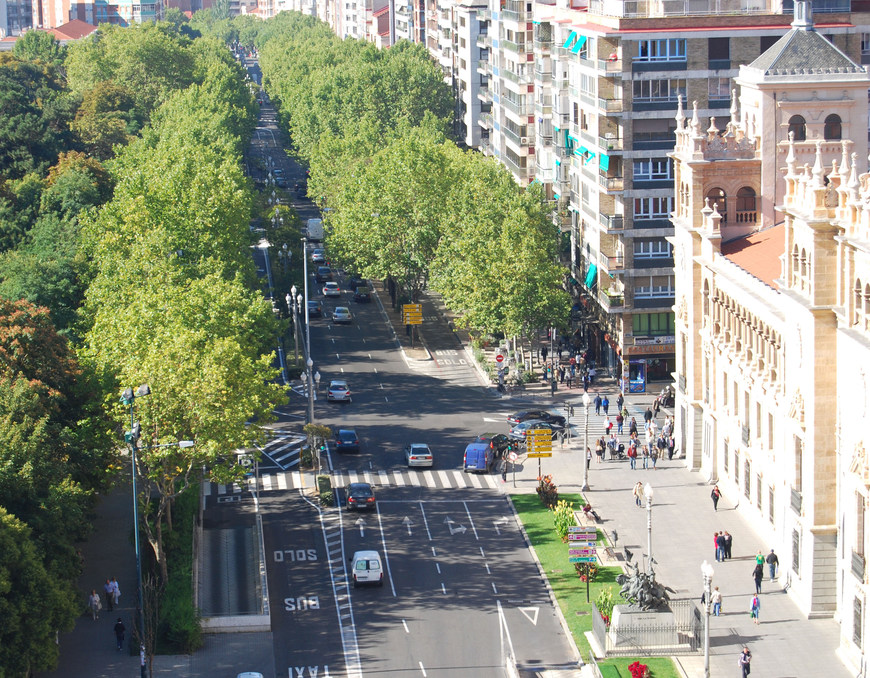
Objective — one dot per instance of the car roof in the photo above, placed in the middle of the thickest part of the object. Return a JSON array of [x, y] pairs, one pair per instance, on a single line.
[[332, 282], [366, 555], [323, 268], [418, 445], [314, 301], [352, 487], [338, 382], [476, 446], [348, 431], [342, 308]]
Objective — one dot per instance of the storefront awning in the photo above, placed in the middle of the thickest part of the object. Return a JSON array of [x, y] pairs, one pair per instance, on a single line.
[[591, 276]]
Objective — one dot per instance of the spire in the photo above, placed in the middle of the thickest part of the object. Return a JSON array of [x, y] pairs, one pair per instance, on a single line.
[[803, 15], [696, 123], [790, 158], [712, 129], [734, 107], [680, 117], [818, 169], [853, 179], [844, 161]]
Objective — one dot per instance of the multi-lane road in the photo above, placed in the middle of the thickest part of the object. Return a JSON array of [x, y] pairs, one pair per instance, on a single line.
[[462, 595]]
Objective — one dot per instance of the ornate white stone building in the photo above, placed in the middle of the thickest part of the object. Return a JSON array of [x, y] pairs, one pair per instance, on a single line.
[[772, 260]]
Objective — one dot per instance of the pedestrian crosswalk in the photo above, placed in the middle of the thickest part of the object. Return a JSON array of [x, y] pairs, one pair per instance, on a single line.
[[296, 480]]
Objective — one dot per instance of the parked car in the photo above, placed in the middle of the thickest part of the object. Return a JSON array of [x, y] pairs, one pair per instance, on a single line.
[[519, 431], [362, 294], [341, 314], [359, 496], [338, 391], [418, 454], [366, 568], [315, 309], [323, 274], [539, 415], [346, 440], [331, 289], [478, 458], [499, 442], [318, 256]]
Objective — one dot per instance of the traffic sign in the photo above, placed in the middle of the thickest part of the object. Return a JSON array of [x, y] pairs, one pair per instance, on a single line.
[[499, 358], [513, 456], [586, 551], [585, 538], [574, 529], [582, 559], [535, 455]]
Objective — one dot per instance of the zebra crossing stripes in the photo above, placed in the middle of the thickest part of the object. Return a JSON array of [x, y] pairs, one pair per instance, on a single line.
[[293, 480]]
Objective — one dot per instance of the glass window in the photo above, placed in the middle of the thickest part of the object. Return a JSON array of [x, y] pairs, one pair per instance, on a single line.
[[833, 128], [653, 169], [746, 199], [653, 324], [718, 49], [747, 488], [858, 623], [718, 198], [719, 89], [661, 50], [654, 287], [652, 248], [865, 43], [653, 208], [796, 552], [650, 91], [798, 126]]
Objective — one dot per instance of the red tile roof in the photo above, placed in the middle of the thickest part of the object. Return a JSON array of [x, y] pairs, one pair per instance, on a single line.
[[759, 253], [73, 30]]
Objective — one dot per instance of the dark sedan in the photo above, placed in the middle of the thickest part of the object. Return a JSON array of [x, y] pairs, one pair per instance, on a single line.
[[540, 415], [315, 309], [359, 496], [346, 440], [498, 442], [519, 431]]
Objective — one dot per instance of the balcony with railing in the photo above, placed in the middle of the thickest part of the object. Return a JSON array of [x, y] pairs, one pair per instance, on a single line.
[[544, 174], [612, 301], [483, 41], [517, 107], [524, 79], [611, 222], [610, 105], [519, 171], [638, 9], [859, 566], [518, 139], [610, 143], [485, 120], [614, 184], [613, 263], [518, 47], [484, 95]]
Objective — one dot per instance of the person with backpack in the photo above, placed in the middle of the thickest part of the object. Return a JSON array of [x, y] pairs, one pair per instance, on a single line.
[[119, 629], [744, 660], [632, 454], [755, 609]]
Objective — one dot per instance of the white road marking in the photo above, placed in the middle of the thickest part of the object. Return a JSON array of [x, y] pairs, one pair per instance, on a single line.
[[486, 565], [483, 555], [422, 669], [342, 369], [426, 523], [337, 357], [443, 588], [494, 589], [370, 357], [386, 400], [383, 478], [438, 567], [429, 477], [530, 613], [445, 479], [475, 480], [386, 555], [352, 477], [282, 481], [398, 478], [415, 479], [374, 368], [267, 482], [473, 528], [405, 624]]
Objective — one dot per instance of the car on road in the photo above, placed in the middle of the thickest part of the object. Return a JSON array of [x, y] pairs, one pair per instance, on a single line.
[[359, 496], [341, 314], [539, 415], [418, 454], [315, 309], [331, 289], [366, 568], [519, 431], [346, 440], [318, 256], [478, 458], [280, 179], [362, 294], [499, 442], [355, 281], [338, 391], [323, 274]]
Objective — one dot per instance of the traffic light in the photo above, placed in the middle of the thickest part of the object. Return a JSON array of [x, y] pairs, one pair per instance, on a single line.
[[127, 397], [132, 437]]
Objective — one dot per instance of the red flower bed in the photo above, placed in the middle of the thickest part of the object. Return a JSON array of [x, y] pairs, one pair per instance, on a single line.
[[639, 670]]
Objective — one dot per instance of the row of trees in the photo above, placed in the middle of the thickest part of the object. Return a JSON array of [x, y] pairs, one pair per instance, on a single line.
[[124, 259], [406, 204]]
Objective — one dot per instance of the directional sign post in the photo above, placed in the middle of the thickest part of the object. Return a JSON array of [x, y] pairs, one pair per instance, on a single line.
[[412, 314], [581, 548], [539, 443]]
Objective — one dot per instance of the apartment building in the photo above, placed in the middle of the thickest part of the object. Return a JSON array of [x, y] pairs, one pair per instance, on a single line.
[[607, 78], [773, 314]]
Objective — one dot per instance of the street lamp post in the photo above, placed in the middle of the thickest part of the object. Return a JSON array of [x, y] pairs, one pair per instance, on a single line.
[[128, 397], [294, 301], [305, 292], [586, 402], [648, 493], [707, 574]]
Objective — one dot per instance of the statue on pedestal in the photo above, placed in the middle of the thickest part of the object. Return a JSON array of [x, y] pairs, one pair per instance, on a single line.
[[640, 589]]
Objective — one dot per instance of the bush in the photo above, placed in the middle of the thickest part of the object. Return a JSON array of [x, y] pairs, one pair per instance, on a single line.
[[585, 570], [605, 603], [563, 518], [306, 458], [324, 489], [547, 492], [638, 670]]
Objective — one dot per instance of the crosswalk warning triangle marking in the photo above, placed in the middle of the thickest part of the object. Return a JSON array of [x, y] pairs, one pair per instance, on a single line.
[[530, 613]]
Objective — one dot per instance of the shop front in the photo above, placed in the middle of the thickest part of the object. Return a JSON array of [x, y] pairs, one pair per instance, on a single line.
[[648, 361]]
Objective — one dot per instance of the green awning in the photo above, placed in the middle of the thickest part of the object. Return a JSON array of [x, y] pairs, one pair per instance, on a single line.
[[589, 155], [591, 276], [582, 151], [558, 162], [571, 39], [577, 47], [604, 162]]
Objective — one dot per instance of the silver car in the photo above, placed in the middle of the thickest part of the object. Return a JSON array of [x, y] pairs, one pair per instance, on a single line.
[[341, 314], [418, 454], [338, 391]]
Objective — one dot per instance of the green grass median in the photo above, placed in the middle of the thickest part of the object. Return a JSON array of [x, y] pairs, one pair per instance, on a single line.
[[568, 588]]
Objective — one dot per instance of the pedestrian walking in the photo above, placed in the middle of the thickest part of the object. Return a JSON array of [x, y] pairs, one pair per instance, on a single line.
[[758, 575], [591, 375], [116, 592], [605, 404], [599, 450], [654, 457], [714, 495], [119, 633], [656, 407], [561, 371], [608, 425], [638, 493], [620, 420], [645, 454], [759, 558], [755, 609], [728, 545], [613, 445], [94, 604], [647, 416], [671, 446], [662, 445], [597, 403], [620, 401], [716, 599], [743, 662], [110, 594], [632, 455], [585, 383], [588, 458], [632, 426], [772, 563], [544, 352]]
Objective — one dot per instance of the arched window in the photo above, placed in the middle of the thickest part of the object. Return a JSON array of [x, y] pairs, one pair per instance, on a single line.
[[718, 198], [833, 128], [867, 306], [706, 300], [795, 266], [746, 213], [804, 269], [858, 303], [798, 126]]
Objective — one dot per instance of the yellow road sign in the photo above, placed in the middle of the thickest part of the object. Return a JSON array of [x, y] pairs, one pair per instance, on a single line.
[[534, 455]]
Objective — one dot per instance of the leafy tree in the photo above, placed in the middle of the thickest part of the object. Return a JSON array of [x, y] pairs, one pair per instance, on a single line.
[[19, 208], [34, 605], [107, 117], [39, 46]]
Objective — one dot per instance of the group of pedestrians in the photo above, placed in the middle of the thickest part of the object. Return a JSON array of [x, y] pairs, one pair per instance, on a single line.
[[112, 592]]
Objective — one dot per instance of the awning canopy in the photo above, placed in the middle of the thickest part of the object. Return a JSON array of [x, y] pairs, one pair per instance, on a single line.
[[604, 162], [579, 44], [570, 40], [591, 276]]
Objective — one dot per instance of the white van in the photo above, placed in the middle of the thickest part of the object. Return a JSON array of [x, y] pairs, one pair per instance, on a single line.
[[366, 568], [315, 229]]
